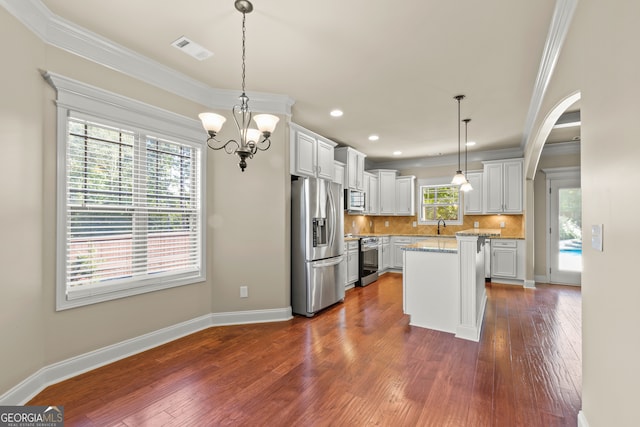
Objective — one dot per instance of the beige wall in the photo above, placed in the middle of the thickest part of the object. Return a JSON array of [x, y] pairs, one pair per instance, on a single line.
[[247, 233], [540, 205], [608, 38], [21, 305], [599, 60]]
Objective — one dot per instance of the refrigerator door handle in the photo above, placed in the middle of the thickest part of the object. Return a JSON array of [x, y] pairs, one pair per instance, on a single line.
[[333, 218], [333, 261]]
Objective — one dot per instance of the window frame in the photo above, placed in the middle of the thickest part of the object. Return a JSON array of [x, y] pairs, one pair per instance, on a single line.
[[438, 182], [87, 102]]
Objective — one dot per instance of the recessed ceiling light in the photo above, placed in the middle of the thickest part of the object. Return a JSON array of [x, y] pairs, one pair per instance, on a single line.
[[397, 153], [336, 113], [373, 137], [471, 143]]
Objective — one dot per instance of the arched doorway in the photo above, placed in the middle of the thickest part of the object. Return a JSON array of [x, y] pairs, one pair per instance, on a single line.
[[533, 153]]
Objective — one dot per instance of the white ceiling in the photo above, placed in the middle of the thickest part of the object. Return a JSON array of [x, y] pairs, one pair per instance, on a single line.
[[392, 67]]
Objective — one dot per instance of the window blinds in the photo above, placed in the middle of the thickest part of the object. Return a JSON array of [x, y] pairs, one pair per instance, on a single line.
[[132, 208]]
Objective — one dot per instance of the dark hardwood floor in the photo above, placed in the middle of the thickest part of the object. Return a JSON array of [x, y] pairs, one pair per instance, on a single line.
[[355, 364]]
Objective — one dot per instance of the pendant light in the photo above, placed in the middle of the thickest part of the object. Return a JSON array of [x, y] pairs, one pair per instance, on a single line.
[[467, 185], [250, 140], [458, 178]]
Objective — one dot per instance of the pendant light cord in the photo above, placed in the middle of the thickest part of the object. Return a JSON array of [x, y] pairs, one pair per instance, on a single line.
[[459, 133], [244, 16]]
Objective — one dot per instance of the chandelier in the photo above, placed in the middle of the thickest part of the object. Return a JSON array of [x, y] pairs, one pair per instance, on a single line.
[[250, 140], [458, 178]]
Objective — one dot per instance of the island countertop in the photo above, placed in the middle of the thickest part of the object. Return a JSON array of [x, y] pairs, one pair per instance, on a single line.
[[480, 232], [434, 244]]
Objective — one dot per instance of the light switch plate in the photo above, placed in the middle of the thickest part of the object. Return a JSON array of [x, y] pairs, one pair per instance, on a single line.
[[596, 237], [415, 224], [476, 224]]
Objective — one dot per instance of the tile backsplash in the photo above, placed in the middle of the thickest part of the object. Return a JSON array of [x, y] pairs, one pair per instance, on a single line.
[[363, 224]]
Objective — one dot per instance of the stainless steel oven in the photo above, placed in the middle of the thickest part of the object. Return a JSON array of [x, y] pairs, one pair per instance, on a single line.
[[368, 260]]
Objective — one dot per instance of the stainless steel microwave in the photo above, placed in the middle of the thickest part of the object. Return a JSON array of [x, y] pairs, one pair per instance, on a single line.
[[354, 200]]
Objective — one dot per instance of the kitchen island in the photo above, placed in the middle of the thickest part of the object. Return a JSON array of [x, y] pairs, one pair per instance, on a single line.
[[443, 281]]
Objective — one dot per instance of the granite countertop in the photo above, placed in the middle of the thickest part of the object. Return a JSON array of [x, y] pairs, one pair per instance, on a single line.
[[351, 238], [434, 244], [482, 232]]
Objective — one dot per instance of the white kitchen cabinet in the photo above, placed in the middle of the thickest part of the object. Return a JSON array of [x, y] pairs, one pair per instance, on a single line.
[[386, 190], [311, 154], [353, 262], [385, 264], [371, 193], [338, 172], [405, 196], [473, 198], [507, 259], [503, 186], [354, 170], [397, 243]]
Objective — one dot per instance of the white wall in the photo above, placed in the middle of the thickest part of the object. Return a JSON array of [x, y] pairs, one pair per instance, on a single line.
[[247, 234], [600, 60]]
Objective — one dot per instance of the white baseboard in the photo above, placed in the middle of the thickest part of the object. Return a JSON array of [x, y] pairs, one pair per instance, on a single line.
[[582, 420], [60, 371], [530, 284], [253, 316]]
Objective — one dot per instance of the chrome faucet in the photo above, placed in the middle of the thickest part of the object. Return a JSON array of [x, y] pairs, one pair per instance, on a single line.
[[444, 224]]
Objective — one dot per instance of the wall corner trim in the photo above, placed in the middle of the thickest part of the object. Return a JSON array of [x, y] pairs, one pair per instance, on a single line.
[[60, 371], [582, 419], [530, 284]]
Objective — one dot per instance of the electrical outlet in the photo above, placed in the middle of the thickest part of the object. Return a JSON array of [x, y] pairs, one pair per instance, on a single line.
[[353, 223], [386, 223], [476, 224], [244, 292], [370, 223], [415, 224], [501, 224]]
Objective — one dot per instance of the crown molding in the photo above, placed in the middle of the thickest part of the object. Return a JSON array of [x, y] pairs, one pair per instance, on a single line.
[[560, 148], [558, 30], [452, 159], [72, 38]]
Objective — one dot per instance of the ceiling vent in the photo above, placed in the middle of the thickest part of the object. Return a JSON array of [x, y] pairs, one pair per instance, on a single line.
[[192, 49]]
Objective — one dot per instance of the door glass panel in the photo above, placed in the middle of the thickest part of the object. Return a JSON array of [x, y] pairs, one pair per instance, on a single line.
[[570, 229]]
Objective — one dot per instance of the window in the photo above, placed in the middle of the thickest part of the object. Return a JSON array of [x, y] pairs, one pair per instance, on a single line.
[[130, 214], [440, 202]]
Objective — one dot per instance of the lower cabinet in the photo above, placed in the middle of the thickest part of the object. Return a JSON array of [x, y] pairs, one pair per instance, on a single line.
[[507, 259], [353, 263], [384, 254], [398, 242]]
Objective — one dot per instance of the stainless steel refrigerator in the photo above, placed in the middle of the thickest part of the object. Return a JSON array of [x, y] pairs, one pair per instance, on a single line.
[[317, 245]]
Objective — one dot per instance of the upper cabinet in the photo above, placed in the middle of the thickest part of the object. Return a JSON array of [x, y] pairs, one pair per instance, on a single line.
[[503, 186], [386, 191], [405, 199], [396, 194], [473, 198], [372, 192], [338, 172], [311, 154], [354, 171]]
